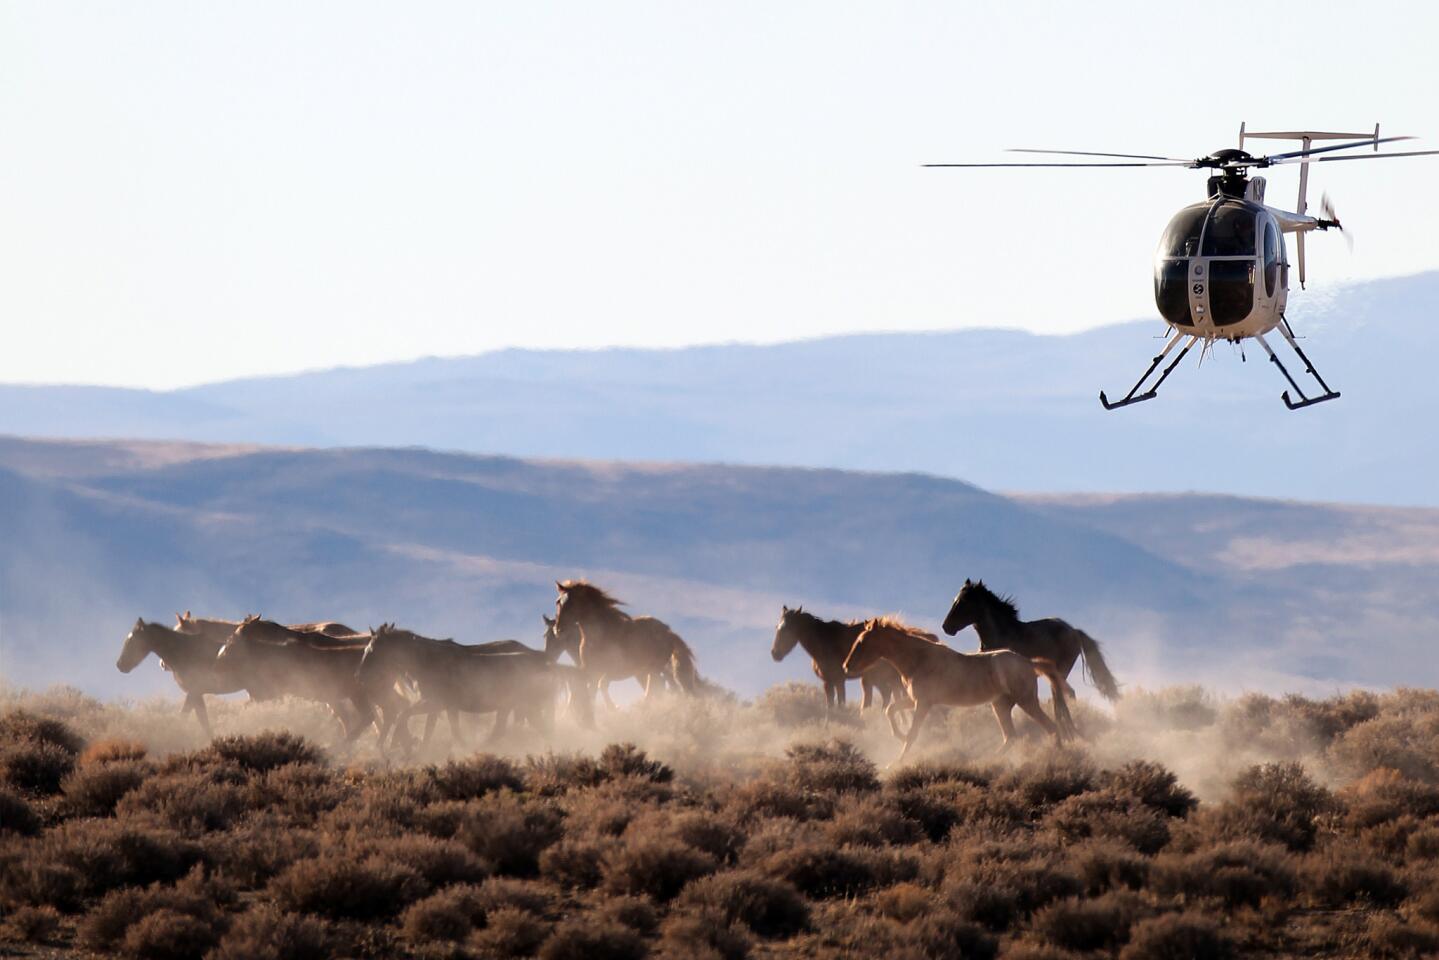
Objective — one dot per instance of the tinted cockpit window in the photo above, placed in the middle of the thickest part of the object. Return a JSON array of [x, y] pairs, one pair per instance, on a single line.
[[1181, 237], [1171, 291], [1271, 258], [1230, 232], [1231, 291]]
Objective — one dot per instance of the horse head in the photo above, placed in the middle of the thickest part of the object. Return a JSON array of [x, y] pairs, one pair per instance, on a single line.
[[136, 647], [963, 612], [862, 655], [786, 633]]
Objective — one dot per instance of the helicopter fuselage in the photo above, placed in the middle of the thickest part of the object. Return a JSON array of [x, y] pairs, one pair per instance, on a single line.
[[1221, 271]]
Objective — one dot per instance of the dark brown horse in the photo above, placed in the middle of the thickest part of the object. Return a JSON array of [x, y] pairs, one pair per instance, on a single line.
[[936, 676], [504, 677], [828, 642], [310, 667], [615, 645], [191, 660], [996, 620]]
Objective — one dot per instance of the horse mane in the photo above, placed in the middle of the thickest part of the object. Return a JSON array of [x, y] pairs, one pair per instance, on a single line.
[[1007, 608], [583, 588], [893, 622]]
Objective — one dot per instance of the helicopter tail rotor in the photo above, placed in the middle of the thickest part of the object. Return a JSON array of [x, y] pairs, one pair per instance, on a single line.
[[1329, 219]]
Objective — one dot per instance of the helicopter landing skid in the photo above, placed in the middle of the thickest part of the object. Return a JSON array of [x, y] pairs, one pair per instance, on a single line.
[[1303, 401], [1134, 396]]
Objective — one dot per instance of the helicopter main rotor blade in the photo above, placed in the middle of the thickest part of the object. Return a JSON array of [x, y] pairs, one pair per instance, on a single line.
[[1091, 153], [1342, 146], [1371, 156], [1179, 163]]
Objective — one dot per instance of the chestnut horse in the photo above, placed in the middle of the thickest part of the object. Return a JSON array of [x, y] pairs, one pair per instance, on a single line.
[[192, 660], [615, 645], [935, 676], [996, 620]]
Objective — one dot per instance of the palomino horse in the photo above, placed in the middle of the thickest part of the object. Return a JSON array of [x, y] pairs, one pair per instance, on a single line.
[[505, 677], [614, 645], [935, 675], [310, 667], [996, 620], [193, 662], [828, 642]]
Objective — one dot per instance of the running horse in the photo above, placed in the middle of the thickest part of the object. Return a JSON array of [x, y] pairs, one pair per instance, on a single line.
[[615, 646], [996, 620], [192, 661], [828, 642], [934, 675]]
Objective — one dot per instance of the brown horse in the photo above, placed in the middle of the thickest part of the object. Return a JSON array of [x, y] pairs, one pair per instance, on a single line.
[[504, 677], [310, 667], [996, 620], [828, 642], [935, 675], [219, 630], [614, 645], [192, 660]]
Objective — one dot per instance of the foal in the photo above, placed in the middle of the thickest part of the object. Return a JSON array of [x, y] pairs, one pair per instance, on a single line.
[[935, 675]]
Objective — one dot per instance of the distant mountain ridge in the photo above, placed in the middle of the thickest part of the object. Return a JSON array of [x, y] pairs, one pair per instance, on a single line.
[[1004, 409]]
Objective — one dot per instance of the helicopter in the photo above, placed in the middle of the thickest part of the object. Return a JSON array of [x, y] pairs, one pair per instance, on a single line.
[[1221, 271]]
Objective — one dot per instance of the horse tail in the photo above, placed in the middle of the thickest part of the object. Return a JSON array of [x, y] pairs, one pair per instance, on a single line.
[[1095, 668], [682, 660], [1063, 719]]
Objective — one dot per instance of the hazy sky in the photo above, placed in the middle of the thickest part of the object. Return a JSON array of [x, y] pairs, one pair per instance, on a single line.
[[192, 191]]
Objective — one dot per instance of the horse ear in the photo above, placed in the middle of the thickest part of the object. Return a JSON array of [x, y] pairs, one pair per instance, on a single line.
[[549, 621], [559, 586], [783, 609], [179, 619], [139, 622], [967, 583]]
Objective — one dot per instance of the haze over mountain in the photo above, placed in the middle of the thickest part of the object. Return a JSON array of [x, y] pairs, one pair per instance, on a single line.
[[1240, 593], [1004, 409]]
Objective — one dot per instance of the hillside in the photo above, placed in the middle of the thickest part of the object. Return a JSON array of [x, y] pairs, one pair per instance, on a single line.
[[469, 547], [1003, 409]]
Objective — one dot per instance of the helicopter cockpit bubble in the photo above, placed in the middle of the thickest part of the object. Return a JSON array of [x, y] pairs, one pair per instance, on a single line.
[[1208, 263]]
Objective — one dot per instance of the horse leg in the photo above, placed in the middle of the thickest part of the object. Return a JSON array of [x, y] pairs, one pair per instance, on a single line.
[[839, 694], [605, 692], [196, 702], [502, 717], [1003, 706], [649, 684], [920, 713], [1031, 706], [430, 720], [891, 713], [866, 699], [454, 717]]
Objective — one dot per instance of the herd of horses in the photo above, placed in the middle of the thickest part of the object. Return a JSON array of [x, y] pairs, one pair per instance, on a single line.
[[383, 678]]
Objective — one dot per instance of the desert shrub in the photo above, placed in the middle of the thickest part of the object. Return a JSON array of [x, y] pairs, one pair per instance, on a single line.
[[1385, 937], [22, 725], [449, 915], [16, 815], [504, 893], [927, 773], [195, 801], [111, 750], [34, 766], [168, 935], [1339, 877], [836, 766], [711, 833], [1275, 802], [999, 893], [1384, 795], [107, 854], [658, 867], [585, 940], [260, 752], [107, 926], [1423, 843], [474, 777], [31, 924], [1396, 740], [1047, 781], [822, 871], [343, 888], [941, 936], [772, 798], [265, 933], [302, 792], [556, 774], [869, 821], [637, 913], [28, 878], [793, 704], [1240, 873], [1178, 936], [438, 862], [701, 936], [1153, 786], [94, 789], [904, 902], [770, 908], [262, 846], [627, 760], [509, 832], [1109, 865], [1113, 815], [510, 932], [574, 863], [1094, 924]]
